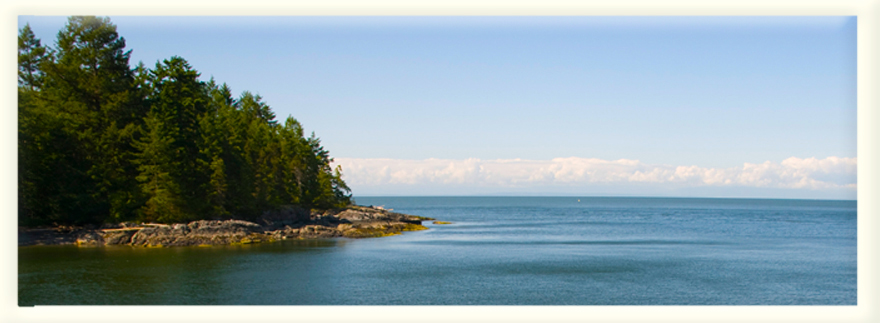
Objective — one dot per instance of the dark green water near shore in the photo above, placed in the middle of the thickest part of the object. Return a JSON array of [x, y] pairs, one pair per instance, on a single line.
[[499, 250]]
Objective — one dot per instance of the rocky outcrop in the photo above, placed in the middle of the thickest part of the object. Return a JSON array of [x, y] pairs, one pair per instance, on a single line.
[[196, 233], [352, 222], [122, 236], [367, 214], [285, 216], [282, 224], [58, 235]]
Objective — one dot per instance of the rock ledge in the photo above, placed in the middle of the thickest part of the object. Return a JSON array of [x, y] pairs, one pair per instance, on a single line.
[[285, 223]]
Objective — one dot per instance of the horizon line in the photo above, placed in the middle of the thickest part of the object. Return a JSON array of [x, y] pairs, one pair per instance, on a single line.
[[617, 196]]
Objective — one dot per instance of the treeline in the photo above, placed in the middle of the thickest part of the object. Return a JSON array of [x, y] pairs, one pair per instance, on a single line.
[[100, 141]]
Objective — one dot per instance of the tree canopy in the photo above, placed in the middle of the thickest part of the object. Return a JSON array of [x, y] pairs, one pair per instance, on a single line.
[[100, 141]]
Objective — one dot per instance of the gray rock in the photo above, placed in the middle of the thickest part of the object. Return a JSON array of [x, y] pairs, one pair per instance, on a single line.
[[285, 215], [285, 223], [118, 237], [89, 237]]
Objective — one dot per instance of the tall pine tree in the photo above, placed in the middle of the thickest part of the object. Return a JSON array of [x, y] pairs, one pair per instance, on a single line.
[[171, 161], [91, 113], [30, 55], [102, 142]]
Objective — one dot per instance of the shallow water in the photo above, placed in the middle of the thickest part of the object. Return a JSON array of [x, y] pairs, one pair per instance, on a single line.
[[499, 250]]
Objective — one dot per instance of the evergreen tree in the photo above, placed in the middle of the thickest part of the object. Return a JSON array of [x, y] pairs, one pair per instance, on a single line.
[[84, 88], [156, 163], [101, 142], [322, 188], [30, 55], [216, 148], [170, 161], [292, 150], [260, 155]]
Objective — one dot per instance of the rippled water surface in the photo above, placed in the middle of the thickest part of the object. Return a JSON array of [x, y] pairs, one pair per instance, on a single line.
[[499, 250]]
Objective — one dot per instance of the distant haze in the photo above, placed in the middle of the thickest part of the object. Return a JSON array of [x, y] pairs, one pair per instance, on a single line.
[[832, 178]]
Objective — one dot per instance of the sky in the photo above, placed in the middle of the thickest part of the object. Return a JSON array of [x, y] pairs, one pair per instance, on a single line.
[[635, 106]]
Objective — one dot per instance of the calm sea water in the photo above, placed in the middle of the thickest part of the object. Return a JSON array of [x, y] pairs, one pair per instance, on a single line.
[[500, 250]]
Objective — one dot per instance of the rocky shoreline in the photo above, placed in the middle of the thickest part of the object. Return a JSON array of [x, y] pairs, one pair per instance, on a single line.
[[283, 224]]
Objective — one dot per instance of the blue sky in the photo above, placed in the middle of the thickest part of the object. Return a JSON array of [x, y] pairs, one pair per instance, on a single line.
[[419, 97]]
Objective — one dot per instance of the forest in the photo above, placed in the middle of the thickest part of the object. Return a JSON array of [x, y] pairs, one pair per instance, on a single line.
[[100, 141]]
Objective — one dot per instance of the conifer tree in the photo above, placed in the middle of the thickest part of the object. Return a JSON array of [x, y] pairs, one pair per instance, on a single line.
[[102, 142], [30, 55], [216, 149], [155, 163], [170, 159], [86, 93]]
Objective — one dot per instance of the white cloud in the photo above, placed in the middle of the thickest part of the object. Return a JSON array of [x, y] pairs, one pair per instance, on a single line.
[[791, 173]]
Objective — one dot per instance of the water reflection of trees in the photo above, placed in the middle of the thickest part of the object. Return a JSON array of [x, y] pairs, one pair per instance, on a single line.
[[121, 275]]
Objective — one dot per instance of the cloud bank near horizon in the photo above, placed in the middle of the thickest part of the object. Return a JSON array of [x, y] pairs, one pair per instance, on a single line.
[[830, 173]]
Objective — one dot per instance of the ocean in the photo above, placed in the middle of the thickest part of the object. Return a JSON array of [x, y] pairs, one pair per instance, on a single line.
[[497, 251]]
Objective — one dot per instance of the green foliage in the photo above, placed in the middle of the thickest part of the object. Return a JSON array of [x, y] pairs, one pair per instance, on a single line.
[[102, 142], [78, 116], [170, 162], [30, 55]]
